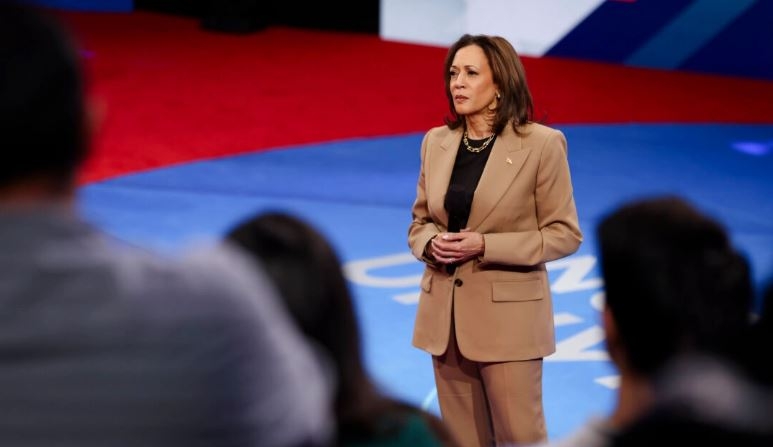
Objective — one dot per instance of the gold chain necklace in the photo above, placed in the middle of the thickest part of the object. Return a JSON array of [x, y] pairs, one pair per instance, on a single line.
[[475, 150]]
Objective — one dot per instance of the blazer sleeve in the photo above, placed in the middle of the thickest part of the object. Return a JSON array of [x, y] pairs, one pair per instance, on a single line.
[[422, 227], [558, 232]]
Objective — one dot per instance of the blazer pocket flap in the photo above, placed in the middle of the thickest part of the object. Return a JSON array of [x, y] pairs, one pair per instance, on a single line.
[[529, 290], [426, 282]]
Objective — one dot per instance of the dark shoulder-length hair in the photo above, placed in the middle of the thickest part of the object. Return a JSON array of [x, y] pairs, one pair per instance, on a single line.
[[515, 104], [306, 270]]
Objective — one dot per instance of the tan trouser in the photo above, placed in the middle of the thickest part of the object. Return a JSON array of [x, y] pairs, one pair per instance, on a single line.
[[487, 404]]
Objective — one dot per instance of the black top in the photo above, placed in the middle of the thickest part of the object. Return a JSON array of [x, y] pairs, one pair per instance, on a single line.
[[468, 168]]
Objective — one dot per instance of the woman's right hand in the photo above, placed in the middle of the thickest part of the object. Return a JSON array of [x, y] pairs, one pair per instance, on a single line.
[[454, 248]]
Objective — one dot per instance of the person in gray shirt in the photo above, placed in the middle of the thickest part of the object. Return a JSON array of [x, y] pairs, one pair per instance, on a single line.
[[105, 344]]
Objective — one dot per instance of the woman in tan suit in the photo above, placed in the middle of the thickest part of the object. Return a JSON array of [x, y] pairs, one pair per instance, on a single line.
[[494, 203]]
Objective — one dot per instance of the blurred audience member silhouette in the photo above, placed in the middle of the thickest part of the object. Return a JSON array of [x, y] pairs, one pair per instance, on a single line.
[[757, 364], [708, 400], [705, 401], [675, 288], [308, 274], [103, 344]]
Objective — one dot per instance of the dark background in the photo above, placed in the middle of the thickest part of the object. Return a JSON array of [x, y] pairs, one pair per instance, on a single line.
[[240, 16]]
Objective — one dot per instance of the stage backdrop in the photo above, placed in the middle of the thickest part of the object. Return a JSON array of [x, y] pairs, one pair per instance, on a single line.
[[713, 36], [716, 36], [88, 5]]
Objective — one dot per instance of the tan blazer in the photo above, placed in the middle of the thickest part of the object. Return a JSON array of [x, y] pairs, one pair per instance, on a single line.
[[524, 207]]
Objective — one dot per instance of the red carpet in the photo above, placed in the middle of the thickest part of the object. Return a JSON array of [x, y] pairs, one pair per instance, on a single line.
[[171, 92]]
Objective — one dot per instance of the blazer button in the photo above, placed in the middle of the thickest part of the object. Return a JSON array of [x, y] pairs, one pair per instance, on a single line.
[[458, 282]]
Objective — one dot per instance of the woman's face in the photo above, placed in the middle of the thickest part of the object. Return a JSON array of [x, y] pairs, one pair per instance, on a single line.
[[471, 81]]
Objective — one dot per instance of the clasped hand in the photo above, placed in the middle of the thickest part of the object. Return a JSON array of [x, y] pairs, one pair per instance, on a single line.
[[453, 248]]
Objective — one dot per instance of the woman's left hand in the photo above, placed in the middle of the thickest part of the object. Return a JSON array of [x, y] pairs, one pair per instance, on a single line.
[[456, 248]]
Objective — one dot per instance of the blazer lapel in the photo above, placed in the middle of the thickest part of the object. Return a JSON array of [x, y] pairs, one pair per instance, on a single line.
[[439, 174], [505, 161]]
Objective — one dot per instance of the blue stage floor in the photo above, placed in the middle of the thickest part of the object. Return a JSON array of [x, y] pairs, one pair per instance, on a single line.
[[359, 193]]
